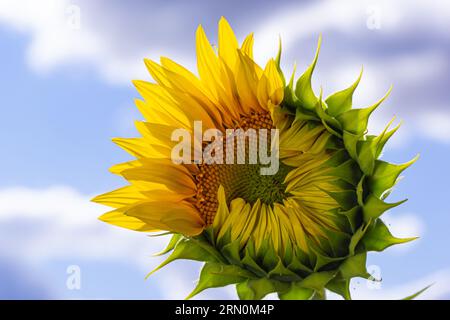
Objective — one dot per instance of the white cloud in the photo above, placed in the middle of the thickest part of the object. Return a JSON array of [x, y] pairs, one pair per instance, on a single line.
[[298, 22], [435, 124], [60, 35], [68, 226], [38, 226], [58, 39]]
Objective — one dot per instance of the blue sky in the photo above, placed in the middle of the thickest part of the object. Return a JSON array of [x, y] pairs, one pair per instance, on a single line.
[[66, 91]]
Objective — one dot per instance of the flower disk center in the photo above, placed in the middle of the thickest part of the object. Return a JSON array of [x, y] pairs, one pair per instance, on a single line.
[[240, 180]]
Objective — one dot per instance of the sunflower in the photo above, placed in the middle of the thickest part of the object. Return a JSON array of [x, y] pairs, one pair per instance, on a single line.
[[307, 227]]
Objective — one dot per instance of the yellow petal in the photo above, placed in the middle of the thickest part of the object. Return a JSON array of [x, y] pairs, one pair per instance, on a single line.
[[207, 62], [138, 147], [270, 86], [118, 218], [251, 223], [160, 102], [186, 82], [236, 206], [222, 210], [247, 46], [120, 197], [175, 177], [247, 83], [179, 217], [228, 43]]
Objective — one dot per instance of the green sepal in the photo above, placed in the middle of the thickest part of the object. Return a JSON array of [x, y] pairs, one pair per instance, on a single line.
[[278, 61], [317, 280], [341, 101], [231, 252], [303, 88], [338, 241], [367, 150], [374, 207], [385, 175], [330, 123], [355, 120], [251, 265], [346, 199], [351, 143], [302, 114], [361, 191], [290, 101], [338, 158], [341, 286], [296, 292], [189, 249], [280, 272], [256, 289], [353, 217], [171, 245], [354, 266], [418, 293], [384, 137], [348, 171], [356, 238], [378, 237], [215, 275], [299, 267], [268, 255]]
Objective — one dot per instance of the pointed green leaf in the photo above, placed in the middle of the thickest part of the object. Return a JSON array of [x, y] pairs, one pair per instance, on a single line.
[[339, 242], [278, 61], [172, 243], [374, 207], [215, 275], [385, 175], [367, 150], [268, 254], [356, 238], [361, 191], [299, 268], [351, 142], [383, 138], [296, 292], [418, 293], [186, 249], [303, 88], [330, 123], [354, 266], [348, 171], [317, 280], [353, 216], [341, 101], [340, 286], [346, 199], [280, 272], [378, 237], [251, 265], [302, 114], [355, 120], [256, 289], [231, 252]]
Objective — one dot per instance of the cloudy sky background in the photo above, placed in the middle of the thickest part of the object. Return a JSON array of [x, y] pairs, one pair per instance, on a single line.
[[65, 84]]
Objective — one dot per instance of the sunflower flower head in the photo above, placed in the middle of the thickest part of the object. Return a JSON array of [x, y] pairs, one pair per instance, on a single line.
[[297, 230]]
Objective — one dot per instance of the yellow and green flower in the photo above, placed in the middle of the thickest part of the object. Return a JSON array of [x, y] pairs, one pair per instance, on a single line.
[[306, 228]]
